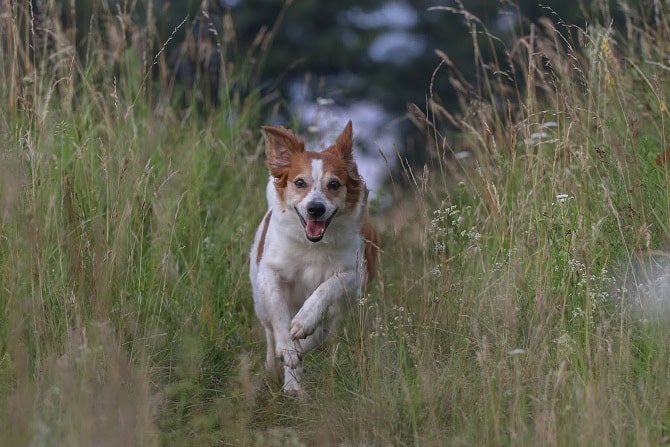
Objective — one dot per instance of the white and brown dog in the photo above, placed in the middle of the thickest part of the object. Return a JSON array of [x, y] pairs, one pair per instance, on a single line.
[[314, 250]]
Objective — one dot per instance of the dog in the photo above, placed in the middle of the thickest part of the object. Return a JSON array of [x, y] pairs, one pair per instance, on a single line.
[[314, 251]]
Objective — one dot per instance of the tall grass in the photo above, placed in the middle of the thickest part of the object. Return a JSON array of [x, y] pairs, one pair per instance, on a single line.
[[540, 238], [517, 275], [124, 233]]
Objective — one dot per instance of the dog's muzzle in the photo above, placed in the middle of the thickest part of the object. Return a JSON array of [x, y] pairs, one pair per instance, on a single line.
[[314, 226]]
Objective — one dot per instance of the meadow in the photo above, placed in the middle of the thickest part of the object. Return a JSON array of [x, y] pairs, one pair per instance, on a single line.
[[524, 279]]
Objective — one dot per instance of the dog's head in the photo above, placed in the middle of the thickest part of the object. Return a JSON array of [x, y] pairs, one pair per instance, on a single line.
[[316, 185]]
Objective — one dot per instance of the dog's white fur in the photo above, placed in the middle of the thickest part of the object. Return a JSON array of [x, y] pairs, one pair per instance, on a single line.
[[301, 288]]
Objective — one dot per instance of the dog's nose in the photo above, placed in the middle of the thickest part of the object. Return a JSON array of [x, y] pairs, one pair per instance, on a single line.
[[315, 209]]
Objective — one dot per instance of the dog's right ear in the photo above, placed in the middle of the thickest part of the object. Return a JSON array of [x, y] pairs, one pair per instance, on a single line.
[[280, 146]]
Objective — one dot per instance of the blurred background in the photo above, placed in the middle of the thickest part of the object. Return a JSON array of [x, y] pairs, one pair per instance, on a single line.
[[318, 64]]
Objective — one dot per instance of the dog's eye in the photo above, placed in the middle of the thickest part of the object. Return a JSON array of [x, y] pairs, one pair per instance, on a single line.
[[299, 183], [334, 185]]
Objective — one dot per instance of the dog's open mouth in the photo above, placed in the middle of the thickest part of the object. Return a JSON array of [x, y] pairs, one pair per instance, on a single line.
[[315, 229]]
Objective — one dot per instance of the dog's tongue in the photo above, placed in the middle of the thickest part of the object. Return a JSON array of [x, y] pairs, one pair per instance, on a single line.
[[315, 228]]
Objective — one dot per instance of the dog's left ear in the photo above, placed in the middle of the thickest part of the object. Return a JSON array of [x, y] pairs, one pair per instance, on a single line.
[[344, 148], [344, 143]]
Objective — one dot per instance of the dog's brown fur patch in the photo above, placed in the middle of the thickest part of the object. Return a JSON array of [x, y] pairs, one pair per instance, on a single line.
[[261, 243]]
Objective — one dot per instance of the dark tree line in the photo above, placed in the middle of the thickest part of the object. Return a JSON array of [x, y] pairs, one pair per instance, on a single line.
[[331, 42]]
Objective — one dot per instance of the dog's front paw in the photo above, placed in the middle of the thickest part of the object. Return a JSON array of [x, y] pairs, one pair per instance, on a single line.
[[290, 356], [304, 324], [294, 389]]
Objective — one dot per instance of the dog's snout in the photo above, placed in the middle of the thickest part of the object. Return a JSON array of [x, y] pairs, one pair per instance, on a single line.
[[315, 209]]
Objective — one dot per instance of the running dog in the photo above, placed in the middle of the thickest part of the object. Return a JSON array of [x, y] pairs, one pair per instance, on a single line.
[[315, 249]]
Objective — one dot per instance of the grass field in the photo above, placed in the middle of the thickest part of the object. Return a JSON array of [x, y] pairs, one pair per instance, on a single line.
[[524, 288]]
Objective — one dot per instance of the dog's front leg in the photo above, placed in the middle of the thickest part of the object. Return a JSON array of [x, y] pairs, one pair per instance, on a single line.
[[277, 316], [325, 298], [287, 350]]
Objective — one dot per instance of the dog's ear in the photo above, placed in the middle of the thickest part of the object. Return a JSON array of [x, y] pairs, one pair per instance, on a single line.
[[280, 146], [344, 144], [344, 149]]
